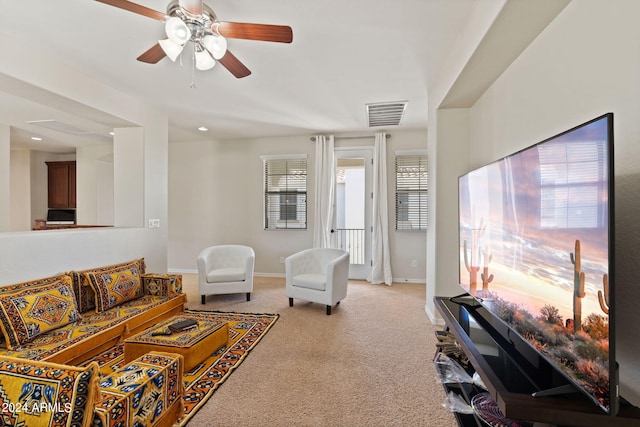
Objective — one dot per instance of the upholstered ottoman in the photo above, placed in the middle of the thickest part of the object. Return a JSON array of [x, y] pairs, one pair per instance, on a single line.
[[147, 391], [162, 284], [194, 344]]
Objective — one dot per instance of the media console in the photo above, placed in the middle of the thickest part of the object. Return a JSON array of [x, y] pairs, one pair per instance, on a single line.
[[512, 372]]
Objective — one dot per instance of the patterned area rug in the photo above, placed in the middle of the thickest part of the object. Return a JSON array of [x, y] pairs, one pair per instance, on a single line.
[[245, 331]]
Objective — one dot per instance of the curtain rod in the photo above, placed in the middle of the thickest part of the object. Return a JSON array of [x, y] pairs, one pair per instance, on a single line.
[[313, 138]]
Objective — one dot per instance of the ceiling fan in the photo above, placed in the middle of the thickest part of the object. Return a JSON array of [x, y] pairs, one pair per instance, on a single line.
[[194, 21]]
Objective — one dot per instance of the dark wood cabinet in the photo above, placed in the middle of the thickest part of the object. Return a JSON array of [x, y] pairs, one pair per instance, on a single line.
[[62, 184]]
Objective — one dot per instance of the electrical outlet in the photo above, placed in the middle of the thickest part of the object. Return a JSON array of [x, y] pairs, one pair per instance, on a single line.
[[281, 260], [154, 223], [414, 263]]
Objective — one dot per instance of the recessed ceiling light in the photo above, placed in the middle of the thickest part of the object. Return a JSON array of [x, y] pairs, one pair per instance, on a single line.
[[36, 138], [203, 129], [111, 133]]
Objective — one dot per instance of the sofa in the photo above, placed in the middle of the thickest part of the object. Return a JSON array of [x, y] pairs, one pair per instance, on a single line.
[[64, 320]]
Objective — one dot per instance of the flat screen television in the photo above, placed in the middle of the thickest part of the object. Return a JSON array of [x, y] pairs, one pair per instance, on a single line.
[[536, 250]]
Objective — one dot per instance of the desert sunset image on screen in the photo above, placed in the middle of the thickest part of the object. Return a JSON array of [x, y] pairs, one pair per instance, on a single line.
[[534, 249]]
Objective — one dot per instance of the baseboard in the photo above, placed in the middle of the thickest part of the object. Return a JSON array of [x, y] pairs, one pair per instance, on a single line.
[[181, 271], [188, 271], [403, 280], [435, 320], [269, 274]]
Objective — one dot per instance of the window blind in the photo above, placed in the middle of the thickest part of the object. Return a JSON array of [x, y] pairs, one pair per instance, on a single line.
[[411, 192], [573, 179], [285, 193]]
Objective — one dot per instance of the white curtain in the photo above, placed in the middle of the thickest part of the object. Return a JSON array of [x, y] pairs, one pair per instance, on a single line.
[[324, 191], [381, 268]]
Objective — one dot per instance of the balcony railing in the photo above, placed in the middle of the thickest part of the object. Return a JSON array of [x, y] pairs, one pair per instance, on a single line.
[[352, 241]]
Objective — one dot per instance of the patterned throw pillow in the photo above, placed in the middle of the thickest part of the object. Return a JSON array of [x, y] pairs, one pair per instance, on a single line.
[[30, 312], [85, 295], [116, 285], [47, 394]]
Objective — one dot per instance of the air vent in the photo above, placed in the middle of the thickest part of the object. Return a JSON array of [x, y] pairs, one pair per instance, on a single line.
[[386, 113], [59, 126]]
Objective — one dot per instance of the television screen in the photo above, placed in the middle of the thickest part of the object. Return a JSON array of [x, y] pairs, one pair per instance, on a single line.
[[536, 249]]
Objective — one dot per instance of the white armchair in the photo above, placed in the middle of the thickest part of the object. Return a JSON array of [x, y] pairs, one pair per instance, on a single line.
[[318, 275], [225, 269]]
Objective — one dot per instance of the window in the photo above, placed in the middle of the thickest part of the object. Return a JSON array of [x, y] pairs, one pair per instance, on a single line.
[[285, 192], [411, 191], [573, 178]]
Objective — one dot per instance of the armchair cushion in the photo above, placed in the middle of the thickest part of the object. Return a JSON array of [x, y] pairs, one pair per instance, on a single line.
[[311, 281], [30, 312], [226, 275]]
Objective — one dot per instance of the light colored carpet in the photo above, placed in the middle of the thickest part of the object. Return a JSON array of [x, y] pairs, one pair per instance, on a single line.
[[368, 364]]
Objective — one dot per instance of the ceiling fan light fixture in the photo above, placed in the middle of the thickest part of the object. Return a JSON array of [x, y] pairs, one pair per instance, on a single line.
[[204, 61], [170, 48], [193, 20], [216, 45], [177, 31]]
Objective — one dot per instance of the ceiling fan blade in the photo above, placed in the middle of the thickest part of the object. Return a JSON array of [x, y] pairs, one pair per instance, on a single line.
[[152, 55], [233, 64], [263, 32], [135, 8], [194, 7]]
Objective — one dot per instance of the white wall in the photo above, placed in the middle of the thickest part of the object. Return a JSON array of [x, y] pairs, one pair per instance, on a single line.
[[584, 64], [448, 150], [104, 190], [405, 246], [128, 172], [450, 159], [216, 197], [94, 184], [5, 167], [29, 255], [20, 191]]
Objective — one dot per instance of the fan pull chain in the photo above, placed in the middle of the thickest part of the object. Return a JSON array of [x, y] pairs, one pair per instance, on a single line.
[[193, 68]]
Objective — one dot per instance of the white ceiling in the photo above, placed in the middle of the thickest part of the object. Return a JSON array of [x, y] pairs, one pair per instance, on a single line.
[[345, 54]]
